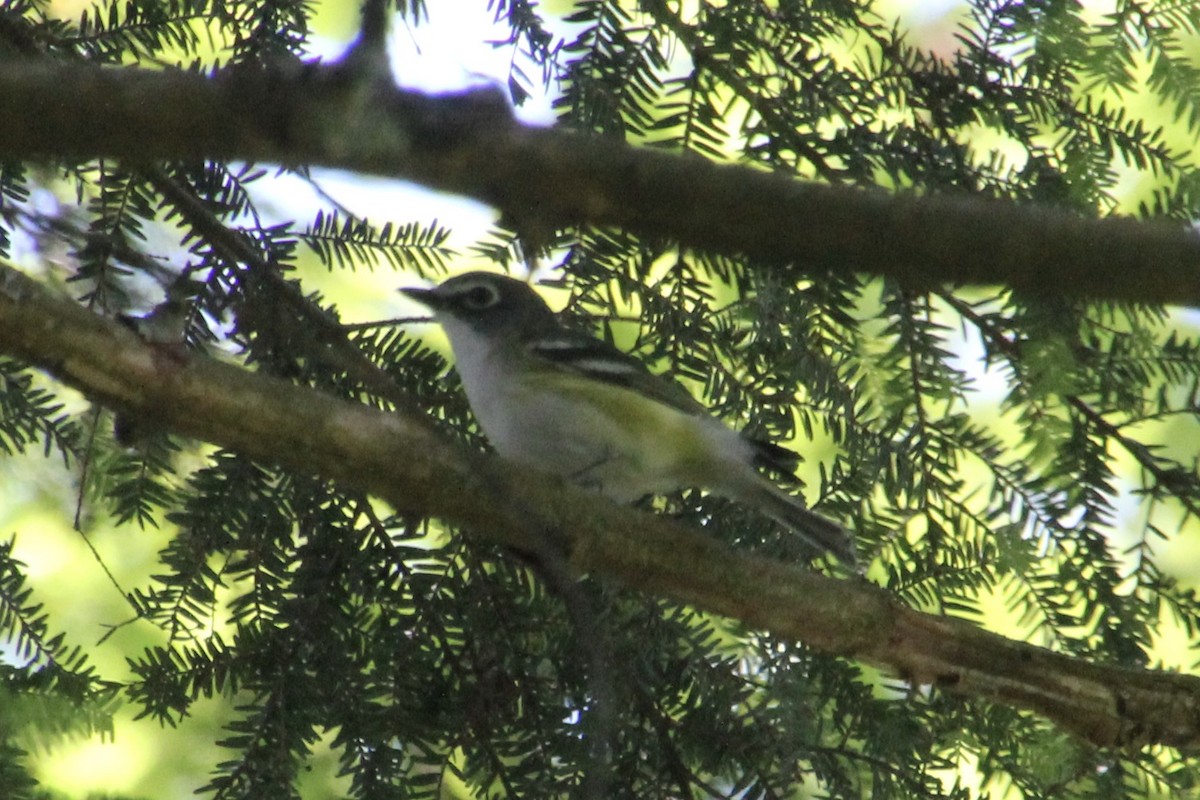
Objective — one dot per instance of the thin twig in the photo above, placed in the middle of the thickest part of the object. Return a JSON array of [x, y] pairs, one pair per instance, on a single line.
[[341, 352]]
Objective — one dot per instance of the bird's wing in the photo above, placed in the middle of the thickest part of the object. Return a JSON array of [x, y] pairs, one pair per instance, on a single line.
[[597, 359]]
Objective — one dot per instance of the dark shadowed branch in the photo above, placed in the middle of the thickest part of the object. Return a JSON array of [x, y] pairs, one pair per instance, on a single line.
[[468, 143]]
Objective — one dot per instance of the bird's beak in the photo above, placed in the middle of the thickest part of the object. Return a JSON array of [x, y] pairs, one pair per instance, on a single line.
[[426, 297]]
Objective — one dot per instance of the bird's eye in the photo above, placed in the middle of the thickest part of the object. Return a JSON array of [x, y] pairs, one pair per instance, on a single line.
[[479, 298]]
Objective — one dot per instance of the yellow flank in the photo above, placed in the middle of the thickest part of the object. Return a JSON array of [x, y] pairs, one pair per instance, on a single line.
[[651, 437]]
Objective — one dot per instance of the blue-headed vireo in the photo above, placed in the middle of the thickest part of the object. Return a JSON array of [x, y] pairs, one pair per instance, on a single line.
[[573, 405]]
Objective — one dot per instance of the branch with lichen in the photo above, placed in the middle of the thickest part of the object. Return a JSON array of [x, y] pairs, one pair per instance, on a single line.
[[276, 422]]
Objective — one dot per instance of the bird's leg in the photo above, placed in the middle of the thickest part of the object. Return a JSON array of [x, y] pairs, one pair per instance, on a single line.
[[585, 478]]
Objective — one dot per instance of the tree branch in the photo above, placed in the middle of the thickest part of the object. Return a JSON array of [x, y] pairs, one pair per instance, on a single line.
[[372, 451], [540, 178]]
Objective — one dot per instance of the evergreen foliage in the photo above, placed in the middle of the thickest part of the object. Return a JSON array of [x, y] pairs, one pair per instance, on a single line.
[[437, 663]]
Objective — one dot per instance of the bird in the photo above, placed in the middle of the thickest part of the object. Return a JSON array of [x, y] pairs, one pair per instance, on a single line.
[[559, 401]]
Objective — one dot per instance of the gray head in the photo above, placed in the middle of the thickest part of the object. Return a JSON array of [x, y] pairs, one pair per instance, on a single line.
[[487, 303]]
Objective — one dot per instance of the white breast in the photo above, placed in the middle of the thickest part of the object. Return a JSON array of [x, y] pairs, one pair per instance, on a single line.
[[568, 434]]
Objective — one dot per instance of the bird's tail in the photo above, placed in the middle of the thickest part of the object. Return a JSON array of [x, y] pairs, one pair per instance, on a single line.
[[790, 512]]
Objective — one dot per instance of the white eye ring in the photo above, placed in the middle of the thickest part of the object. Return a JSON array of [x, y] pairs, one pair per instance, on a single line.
[[479, 297]]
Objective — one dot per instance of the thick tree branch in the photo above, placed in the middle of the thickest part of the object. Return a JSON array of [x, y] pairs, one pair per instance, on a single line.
[[541, 178], [401, 458]]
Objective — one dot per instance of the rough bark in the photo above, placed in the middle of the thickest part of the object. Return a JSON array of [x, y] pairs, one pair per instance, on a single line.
[[360, 447]]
